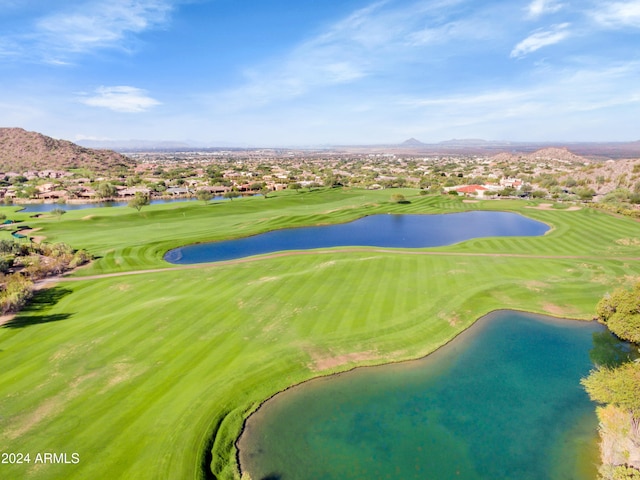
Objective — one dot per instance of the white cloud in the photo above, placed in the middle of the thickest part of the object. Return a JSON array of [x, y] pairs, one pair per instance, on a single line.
[[538, 8], [540, 39], [121, 99], [94, 24], [102, 23], [618, 14]]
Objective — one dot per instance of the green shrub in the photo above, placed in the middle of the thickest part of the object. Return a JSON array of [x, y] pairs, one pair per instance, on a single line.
[[15, 292]]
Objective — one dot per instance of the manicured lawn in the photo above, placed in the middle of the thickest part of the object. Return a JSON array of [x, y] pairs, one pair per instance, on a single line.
[[151, 375]]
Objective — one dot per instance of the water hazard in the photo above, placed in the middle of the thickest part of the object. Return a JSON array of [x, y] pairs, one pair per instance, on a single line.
[[503, 400], [390, 231], [48, 207]]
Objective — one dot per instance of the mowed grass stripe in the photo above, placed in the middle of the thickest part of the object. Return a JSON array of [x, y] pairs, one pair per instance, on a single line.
[[373, 284]]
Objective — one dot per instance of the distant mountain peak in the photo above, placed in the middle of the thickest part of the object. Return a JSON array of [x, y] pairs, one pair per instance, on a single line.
[[412, 142]]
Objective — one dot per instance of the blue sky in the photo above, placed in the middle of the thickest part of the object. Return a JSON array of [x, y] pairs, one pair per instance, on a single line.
[[312, 72]]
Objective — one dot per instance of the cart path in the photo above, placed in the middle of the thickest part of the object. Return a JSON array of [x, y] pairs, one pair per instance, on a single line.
[[237, 261], [52, 281]]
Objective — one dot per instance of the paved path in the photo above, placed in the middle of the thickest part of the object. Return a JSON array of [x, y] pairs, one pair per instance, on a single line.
[[327, 252], [51, 281]]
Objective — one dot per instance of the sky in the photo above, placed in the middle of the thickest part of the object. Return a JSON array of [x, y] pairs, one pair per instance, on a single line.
[[321, 72]]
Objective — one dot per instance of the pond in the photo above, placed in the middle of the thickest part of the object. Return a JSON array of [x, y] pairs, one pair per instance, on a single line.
[[502, 400], [48, 207], [391, 231]]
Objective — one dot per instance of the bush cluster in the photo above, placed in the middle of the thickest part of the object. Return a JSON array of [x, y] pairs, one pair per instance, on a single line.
[[22, 264], [15, 291]]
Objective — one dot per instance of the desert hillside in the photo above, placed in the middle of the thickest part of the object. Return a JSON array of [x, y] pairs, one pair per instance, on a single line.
[[21, 151]]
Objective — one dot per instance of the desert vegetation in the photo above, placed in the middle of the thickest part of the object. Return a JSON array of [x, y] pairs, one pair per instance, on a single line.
[[617, 387], [22, 264]]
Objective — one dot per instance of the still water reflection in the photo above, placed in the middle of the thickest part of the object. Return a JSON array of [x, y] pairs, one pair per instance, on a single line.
[[399, 231]]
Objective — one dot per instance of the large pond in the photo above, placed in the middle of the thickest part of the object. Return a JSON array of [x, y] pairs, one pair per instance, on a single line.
[[400, 231], [503, 400]]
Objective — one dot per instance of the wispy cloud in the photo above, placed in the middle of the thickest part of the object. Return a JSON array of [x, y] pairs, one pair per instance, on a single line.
[[540, 39], [538, 8], [618, 14], [370, 41], [121, 99], [95, 24], [539, 109]]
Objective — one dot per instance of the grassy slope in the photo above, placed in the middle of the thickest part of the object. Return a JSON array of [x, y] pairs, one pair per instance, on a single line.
[[136, 372]]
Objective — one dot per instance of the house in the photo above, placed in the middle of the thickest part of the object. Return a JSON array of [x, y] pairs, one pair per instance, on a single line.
[[511, 183], [471, 190], [178, 191], [131, 192], [53, 195]]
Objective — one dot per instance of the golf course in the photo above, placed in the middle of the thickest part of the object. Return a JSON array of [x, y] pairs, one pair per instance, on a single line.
[[147, 370]]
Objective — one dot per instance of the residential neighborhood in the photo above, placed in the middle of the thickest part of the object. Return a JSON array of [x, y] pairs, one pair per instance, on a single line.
[[183, 174]]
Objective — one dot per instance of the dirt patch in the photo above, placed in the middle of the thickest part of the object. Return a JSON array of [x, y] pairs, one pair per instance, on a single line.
[[6, 318], [264, 280], [326, 361], [327, 264], [124, 371], [629, 242], [28, 231], [557, 310], [76, 382], [26, 422], [87, 217], [535, 285], [470, 201]]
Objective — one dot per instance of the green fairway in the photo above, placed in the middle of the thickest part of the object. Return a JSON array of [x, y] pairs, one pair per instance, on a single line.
[[150, 375]]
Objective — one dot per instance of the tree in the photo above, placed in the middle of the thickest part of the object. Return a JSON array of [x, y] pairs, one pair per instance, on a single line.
[[6, 262], [538, 194], [619, 386], [28, 192], [204, 196], [620, 311], [398, 198], [585, 193], [105, 190], [507, 192], [231, 194], [15, 293], [139, 200], [58, 212]]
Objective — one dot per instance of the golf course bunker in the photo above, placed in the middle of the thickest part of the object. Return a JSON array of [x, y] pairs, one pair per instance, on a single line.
[[502, 400], [389, 231]]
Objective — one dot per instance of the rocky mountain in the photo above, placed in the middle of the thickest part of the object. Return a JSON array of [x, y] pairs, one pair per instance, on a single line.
[[22, 151], [570, 169], [550, 154]]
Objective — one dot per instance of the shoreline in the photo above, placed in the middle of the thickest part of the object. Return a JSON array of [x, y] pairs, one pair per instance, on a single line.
[[465, 335]]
